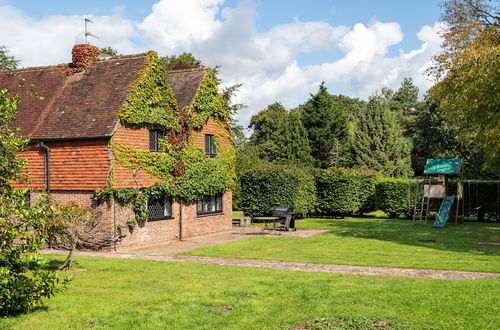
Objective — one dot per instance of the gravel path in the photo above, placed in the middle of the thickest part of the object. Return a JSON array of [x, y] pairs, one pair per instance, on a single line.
[[299, 266]]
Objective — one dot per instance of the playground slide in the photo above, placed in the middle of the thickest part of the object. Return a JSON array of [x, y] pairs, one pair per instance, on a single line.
[[444, 212]]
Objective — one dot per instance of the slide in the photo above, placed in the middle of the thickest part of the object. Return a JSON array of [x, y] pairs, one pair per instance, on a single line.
[[444, 212]]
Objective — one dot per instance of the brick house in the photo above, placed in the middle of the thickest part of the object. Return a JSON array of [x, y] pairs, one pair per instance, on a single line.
[[75, 127]]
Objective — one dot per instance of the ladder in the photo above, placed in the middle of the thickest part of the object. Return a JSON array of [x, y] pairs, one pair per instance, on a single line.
[[421, 208]]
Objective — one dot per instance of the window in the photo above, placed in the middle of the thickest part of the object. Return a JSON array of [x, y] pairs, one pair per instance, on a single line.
[[210, 204], [210, 148], [160, 208], [154, 137]]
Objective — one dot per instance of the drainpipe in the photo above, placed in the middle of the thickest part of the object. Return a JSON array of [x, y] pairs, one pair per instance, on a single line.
[[46, 166], [180, 220]]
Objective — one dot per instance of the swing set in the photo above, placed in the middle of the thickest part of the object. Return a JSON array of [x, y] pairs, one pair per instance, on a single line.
[[482, 197]]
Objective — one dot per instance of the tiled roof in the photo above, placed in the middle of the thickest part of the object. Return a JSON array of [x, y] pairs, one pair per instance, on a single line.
[[84, 105], [185, 84]]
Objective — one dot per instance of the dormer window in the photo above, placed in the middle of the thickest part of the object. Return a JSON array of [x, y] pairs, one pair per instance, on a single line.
[[210, 148], [154, 137]]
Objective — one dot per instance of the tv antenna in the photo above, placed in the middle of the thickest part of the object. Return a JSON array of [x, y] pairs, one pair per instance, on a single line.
[[87, 33]]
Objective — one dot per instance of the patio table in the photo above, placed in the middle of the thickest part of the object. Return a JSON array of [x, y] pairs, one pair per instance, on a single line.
[[267, 221]]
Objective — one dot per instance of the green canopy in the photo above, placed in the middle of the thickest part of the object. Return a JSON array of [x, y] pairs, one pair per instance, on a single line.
[[443, 166]]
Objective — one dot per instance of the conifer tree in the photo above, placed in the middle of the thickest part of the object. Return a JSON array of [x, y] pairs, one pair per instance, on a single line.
[[293, 145], [378, 142], [326, 124]]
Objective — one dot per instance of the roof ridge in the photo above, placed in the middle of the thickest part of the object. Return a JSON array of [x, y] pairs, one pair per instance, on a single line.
[[188, 70], [61, 65]]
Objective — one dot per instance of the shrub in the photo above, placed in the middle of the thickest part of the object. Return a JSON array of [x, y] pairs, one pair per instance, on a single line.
[[368, 181], [338, 191], [24, 280], [270, 185], [392, 197]]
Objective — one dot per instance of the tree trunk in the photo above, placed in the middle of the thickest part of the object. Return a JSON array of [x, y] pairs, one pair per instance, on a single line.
[[67, 263]]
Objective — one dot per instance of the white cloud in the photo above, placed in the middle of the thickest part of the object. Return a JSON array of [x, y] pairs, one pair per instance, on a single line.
[[265, 62]]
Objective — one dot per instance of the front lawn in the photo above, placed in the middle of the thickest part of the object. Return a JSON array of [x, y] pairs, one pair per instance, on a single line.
[[138, 294], [376, 242]]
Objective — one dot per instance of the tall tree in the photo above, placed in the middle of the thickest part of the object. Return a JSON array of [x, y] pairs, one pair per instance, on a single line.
[[467, 72], [108, 51], [266, 125], [181, 62], [293, 145], [378, 142], [279, 136], [7, 62], [326, 125]]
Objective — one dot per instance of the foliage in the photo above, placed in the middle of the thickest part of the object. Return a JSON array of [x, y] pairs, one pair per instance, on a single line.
[[24, 281], [108, 51], [7, 62], [151, 103], [339, 191], [186, 171], [10, 142], [66, 223], [270, 185], [326, 124], [279, 136], [83, 55], [392, 197], [208, 102], [377, 140], [181, 62], [467, 73]]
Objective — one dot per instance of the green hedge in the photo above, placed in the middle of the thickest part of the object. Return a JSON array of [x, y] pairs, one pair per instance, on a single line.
[[342, 192], [391, 196], [269, 185]]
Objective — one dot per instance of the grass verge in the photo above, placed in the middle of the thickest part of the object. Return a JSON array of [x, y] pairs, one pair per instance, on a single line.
[[124, 294]]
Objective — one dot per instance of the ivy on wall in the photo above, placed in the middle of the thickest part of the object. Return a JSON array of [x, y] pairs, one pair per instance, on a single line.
[[186, 171], [151, 103]]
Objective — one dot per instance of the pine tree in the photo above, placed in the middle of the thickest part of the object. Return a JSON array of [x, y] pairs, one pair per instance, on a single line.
[[326, 124], [378, 142], [293, 145]]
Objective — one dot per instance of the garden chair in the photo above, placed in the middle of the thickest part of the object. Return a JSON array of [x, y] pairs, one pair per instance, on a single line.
[[245, 222]]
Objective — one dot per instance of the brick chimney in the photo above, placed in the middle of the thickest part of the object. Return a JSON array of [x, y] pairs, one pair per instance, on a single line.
[[83, 55]]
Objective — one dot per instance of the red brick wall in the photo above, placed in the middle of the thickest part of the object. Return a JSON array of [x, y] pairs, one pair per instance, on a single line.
[[164, 231], [211, 127], [125, 177], [74, 165]]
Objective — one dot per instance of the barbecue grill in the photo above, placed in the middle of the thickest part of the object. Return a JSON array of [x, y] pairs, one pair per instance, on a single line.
[[282, 212]]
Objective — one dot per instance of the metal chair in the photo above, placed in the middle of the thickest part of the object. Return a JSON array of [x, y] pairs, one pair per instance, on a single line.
[[245, 222]]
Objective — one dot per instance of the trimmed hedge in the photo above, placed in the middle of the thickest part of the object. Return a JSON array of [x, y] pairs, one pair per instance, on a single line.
[[343, 192], [391, 196], [270, 185], [338, 192]]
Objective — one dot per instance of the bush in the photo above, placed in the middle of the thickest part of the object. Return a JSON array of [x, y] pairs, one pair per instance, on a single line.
[[392, 197], [270, 185], [368, 182], [339, 192], [24, 281]]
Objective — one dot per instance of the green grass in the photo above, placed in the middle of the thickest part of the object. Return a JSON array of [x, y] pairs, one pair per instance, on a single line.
[[125, 294], [376, 242]]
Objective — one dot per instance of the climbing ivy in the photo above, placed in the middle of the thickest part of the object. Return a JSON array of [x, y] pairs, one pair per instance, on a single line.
[[151, 103], [186, 171], [208, 102]]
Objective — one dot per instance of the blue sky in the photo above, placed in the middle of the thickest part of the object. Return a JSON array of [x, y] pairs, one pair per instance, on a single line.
[[281, 50]]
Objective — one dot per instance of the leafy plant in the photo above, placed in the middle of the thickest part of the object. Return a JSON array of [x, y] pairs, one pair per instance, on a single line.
[[265, 187]]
